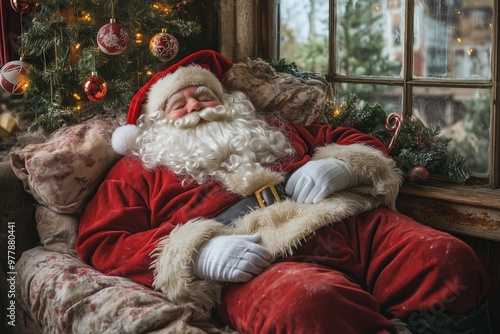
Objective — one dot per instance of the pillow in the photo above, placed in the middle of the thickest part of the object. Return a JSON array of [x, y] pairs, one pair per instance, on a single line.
[[62, 172], [57, 231], [280, 94]]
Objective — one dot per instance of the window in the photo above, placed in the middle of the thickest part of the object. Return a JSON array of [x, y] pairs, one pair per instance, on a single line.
[[435, 60]]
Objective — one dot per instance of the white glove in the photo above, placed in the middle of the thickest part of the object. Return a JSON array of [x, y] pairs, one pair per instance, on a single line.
[[319, 178], [232, 258]]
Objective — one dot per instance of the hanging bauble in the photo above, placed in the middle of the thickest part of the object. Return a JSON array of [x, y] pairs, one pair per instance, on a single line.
[[13, 76], [95, 87], [112, 38], [164, 46], [23, 6], [418, 174]]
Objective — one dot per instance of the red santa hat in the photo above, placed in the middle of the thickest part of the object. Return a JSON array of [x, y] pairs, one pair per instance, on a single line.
[[204, 67]]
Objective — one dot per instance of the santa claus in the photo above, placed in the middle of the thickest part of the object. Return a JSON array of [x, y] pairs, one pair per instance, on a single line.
[[280, 227]]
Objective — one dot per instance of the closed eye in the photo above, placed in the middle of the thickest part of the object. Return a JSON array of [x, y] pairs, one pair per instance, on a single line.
[[177, 106]]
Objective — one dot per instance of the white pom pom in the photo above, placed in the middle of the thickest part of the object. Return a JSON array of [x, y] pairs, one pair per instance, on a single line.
[[123, 138]]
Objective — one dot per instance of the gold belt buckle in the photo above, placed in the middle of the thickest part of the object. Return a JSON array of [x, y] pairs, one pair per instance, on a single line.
[[259, 191]]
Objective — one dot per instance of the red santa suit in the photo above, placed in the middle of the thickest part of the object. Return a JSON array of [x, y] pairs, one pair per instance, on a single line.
[[345, 264], [147, 226]]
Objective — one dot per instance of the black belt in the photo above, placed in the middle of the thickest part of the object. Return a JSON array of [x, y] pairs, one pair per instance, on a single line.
[[262, 198]]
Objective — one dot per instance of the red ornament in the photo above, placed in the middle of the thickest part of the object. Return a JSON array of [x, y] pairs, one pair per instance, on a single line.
[[164, 46], [13, 76], [418, 174], [95, 87], [112, 38], [23, 6]]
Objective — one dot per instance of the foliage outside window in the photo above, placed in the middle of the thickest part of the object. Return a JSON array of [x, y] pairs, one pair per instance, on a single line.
[[428, 59]]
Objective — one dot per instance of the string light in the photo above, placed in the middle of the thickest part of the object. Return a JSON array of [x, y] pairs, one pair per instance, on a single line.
[[85, 16], [138, 38]]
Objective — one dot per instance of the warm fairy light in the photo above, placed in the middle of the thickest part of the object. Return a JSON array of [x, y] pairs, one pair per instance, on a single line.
[[76, 96], [337, 112], [470, 51], [459, 40], [162, 8], [149, 73], [86, 16], [77, 46], [138, 38]]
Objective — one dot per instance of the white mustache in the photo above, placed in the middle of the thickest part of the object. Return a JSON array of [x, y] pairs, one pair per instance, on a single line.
[[218, 113]]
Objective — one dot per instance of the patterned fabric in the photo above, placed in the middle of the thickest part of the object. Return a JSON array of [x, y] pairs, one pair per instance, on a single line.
[[279, 94], [58, 293], [62, 172]]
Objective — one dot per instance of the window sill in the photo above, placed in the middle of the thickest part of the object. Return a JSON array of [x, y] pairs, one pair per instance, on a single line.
[[480, 196], [466, 210]]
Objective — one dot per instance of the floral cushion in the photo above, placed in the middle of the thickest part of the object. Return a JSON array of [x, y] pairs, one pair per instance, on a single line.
[[58, 293], [62, 172], [281, 94]]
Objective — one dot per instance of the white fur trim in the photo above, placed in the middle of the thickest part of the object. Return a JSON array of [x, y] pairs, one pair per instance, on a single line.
[[255, 179], [183, 77], [379, 174], [173, 259], [124, 137]]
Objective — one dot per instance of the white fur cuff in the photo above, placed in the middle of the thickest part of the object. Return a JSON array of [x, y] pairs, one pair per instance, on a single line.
[[172, 262]]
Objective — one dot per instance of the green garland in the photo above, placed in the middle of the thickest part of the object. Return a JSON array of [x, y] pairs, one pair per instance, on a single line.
[[415, 146]]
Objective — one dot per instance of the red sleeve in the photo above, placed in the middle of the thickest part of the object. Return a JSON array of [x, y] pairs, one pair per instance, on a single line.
[[116, 235], [307, 138]]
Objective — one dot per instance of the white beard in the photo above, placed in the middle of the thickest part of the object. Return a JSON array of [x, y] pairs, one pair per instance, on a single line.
[[230, 147]]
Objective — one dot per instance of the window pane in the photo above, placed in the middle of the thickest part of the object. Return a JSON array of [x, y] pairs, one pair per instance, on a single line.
[[304, 34], [463, 115], [389, 97], [369, 37], [452, 39]]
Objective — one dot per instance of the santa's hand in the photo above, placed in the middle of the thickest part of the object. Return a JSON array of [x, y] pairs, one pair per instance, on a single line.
[[319, 178], [234, 258]]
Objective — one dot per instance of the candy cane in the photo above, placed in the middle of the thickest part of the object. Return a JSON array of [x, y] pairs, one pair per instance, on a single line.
[[396, 128]]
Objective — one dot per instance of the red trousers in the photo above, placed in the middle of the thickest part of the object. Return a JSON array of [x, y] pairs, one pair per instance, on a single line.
[[352, 276]]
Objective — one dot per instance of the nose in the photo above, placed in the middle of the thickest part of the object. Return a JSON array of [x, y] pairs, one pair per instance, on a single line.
[[193, 105]]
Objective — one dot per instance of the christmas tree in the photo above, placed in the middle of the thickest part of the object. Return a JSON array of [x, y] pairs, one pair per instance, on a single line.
[[88, 57]]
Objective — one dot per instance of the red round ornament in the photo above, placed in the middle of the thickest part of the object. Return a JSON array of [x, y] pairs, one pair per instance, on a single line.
[[418, 174], [95, 87], [23, 6], [112, 38], [13, 76], [164, 46]]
